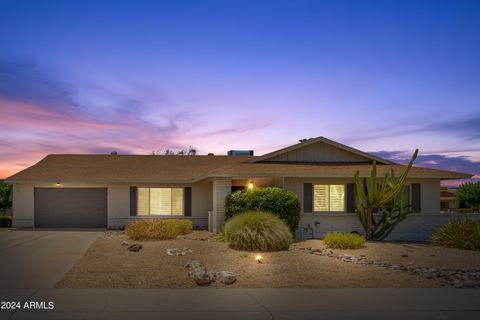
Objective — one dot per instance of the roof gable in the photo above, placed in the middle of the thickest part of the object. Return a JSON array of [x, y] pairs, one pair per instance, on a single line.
[[322, 150]]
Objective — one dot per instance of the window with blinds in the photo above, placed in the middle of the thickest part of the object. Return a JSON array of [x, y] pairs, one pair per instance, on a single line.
[[160, 201], [328, 197]]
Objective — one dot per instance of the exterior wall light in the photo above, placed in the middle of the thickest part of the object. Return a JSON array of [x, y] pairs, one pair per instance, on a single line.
[[258, 258], [250, 185], [57, 184]]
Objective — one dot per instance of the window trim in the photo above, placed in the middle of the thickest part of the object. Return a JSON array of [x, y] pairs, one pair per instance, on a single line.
[[171, 203]]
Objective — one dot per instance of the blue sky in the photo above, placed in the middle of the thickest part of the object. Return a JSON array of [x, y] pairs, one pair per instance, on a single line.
[[136, 76]]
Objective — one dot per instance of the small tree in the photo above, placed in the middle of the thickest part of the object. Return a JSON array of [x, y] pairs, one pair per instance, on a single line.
[[5, 197], [386, 199], [470, 194]]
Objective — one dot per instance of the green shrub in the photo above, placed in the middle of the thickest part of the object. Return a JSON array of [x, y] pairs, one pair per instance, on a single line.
[[157, 229], [344, 240], [257, 230], [220, 236], [5, 221], [282, 203], [464, 234]]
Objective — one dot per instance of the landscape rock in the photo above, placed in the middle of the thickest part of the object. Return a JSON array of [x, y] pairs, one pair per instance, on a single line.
[[177, 251], [226, 277], [202, 276], [192, 264], [135, 247], [458, 278], [124, 243]]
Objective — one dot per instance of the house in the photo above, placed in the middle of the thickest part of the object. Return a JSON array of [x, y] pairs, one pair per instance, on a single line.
[[448, 202], [110, 190]]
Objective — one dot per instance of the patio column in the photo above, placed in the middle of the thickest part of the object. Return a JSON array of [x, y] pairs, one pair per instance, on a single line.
[[221, 188]]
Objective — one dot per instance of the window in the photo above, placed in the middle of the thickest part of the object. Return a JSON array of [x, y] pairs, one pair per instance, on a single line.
[[328, 197], [160, 201]]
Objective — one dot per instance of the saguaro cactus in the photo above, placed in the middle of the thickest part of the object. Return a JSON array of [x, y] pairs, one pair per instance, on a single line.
[[380, 207]]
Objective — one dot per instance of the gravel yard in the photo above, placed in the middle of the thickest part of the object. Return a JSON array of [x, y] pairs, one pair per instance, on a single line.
[[422, 254], [108, 264]]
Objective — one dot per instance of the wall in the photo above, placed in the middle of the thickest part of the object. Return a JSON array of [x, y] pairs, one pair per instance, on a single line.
[[430, 190], [118, 202], [22, 205], [221, 189], [119, 209], [417, 226]]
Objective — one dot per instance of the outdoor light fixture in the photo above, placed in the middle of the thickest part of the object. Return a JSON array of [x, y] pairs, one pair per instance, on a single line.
[[57, 184], [250, 185], [258, 258]]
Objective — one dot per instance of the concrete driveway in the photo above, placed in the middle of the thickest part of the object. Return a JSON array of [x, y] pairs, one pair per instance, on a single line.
[[40, 258]]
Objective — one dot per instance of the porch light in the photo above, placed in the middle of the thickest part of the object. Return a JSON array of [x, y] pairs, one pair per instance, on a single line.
[[258, 258], [250, 185], [57, 184]]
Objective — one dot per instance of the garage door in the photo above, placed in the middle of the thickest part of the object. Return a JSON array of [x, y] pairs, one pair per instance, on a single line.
[[70, 207]]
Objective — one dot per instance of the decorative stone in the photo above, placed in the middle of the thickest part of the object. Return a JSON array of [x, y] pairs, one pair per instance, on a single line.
[[135, 247], [124, 243], [226, 277], [192, 264], [177, 251], [202, 276]]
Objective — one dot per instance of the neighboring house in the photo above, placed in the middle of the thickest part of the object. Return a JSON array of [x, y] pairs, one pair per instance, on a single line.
[[111, 190], [448, 201]]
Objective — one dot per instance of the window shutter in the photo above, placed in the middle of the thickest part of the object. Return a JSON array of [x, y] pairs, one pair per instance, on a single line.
[[350, 197], [307, 197], [133, 201], [187, 198], [416, 196]]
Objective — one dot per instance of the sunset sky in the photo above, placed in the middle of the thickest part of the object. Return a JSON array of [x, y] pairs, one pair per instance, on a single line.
[[136, 76]]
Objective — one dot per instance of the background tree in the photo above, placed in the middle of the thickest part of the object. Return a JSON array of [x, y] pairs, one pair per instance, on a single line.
[[190, 151], [5, 197], [470, 194], [387, 199]]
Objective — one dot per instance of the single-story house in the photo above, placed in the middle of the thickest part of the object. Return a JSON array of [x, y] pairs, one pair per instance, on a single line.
[[108, 191]]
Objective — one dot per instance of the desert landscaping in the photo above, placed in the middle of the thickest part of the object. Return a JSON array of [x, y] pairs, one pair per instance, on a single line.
[[307, 264]]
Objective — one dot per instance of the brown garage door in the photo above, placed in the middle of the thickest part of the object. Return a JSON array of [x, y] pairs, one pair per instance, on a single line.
[[70, 207]]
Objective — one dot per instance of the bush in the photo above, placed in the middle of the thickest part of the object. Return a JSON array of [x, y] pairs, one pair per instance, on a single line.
[[344, 240], [463, 234], [5, 221], [282, 203], [257, 230], [157, 229]]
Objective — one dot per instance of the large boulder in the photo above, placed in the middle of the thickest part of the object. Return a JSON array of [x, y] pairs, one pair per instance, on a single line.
[[202, 276], [226, 277], [192, 264]]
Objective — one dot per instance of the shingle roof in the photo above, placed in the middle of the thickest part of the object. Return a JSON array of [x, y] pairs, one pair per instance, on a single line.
[[184, 169]]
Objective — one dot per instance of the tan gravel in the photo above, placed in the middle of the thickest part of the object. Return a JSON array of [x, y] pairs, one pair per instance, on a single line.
[[421, 254], [108, 264]]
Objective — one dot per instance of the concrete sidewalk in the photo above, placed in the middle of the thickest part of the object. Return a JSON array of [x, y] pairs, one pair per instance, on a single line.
[[205, 303]]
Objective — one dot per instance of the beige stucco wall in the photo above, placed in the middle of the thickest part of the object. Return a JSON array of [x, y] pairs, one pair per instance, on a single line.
[[221, 189], [118, 202], [430, 190], [22, 208]]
